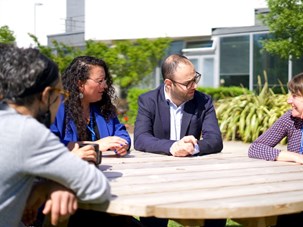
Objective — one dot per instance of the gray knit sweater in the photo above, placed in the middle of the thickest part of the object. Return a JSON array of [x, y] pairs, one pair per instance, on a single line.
[[28, 149]]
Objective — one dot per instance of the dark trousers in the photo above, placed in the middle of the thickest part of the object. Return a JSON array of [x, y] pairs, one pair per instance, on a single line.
[[290, 220], [93, 218], [162, 222]]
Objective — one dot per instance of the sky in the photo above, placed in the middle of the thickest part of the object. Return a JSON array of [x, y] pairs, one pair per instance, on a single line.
[[19, 16], [123, 19]]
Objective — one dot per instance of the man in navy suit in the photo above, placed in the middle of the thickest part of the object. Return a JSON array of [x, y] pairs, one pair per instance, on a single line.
[[175, 119]]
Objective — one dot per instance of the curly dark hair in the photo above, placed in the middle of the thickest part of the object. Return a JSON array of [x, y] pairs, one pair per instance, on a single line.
[[79, 69], [24, 74]]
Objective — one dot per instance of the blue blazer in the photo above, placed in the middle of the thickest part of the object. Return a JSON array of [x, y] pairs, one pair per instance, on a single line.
[[111, 128], [152, 126]]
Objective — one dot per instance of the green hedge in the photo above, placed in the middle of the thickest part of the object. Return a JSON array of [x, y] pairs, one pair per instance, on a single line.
[[132, 100], [223, 92]]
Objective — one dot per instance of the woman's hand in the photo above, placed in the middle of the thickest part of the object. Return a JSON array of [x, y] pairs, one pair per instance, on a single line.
[[115, 143], [122, 150], [86, 152], [288, 156]]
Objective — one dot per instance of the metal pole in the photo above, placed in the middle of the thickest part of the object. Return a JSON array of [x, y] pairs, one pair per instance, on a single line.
[[36, 4]]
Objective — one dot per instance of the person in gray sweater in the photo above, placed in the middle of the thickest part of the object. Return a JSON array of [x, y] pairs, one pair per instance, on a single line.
[[35, 167]]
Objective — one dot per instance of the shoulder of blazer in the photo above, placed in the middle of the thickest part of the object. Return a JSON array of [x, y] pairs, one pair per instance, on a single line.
[[200, 96], [153, 94]]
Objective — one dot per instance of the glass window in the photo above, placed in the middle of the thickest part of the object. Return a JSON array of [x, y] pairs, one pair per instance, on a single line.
[[234, 61], [275, 67], [208, 72], [297, 66], [199, 44]]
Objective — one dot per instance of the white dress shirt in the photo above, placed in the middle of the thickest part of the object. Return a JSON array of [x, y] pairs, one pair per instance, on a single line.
[[176, 114]]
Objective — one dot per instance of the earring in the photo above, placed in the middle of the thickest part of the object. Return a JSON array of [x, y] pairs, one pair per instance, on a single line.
[[81, 95]]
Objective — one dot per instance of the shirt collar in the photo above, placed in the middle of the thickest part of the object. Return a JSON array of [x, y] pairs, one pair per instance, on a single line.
[[170, 102]]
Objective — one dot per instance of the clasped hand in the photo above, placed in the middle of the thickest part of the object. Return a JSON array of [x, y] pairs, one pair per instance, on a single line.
[[184, 147]]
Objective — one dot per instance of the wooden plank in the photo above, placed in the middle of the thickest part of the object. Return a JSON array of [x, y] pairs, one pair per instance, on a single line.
[[167, 174], [223, 185], [185, 184], [126, 164], [234, 207]]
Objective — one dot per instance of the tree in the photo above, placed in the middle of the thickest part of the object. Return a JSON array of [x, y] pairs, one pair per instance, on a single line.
[[61, 54], [6, 35], [285, 23], [129, 61]]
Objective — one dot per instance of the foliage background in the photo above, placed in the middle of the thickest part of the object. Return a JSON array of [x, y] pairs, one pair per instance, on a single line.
[[285, 23]]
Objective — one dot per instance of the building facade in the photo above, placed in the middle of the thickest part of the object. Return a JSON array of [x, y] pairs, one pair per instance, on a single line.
[[230, 56], [233, 56]]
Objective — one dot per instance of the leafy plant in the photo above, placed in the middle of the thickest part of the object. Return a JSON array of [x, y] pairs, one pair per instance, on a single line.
[[223, 92], [247, 116], [6, 35]]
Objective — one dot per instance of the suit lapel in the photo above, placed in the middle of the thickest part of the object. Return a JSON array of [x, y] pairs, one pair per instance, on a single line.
[[188, 112], [164, 114]]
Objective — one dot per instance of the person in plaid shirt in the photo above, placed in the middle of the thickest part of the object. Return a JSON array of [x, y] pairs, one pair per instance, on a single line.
[[289, 125]]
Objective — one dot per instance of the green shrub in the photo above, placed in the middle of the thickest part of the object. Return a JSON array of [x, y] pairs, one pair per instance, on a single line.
[[132, 100], [247, 116], [223, 92]]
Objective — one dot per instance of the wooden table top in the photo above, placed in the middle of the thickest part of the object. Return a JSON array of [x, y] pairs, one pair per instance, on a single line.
[[224, 185]]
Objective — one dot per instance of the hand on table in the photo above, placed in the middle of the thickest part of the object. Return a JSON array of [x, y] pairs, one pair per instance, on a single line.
[[289, 156], [122, 150], [60, 202], [116, 143], [60, 205], [184, 147]]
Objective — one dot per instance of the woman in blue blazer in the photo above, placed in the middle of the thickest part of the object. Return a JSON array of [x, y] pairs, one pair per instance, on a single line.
[[89, 114]]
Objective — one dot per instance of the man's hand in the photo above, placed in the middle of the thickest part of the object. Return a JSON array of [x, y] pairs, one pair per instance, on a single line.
[[60, 202], [184, 147]]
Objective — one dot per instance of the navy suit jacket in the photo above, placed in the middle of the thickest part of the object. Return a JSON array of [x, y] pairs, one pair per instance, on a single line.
[[152, 126]]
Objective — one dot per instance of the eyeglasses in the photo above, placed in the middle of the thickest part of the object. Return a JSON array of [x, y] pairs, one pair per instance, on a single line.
[[190, 83], [100, 82], [63, 93]]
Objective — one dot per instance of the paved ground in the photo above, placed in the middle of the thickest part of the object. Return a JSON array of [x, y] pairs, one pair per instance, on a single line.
[[243, 146], [232, 145]]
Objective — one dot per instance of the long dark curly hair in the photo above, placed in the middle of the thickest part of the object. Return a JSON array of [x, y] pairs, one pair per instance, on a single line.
[[79, 69]]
